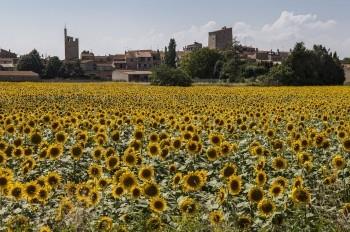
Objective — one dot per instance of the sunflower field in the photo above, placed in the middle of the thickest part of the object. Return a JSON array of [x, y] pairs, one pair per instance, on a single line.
[[124, 157]]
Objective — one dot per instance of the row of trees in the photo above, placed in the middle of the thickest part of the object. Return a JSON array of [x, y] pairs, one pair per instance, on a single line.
[[53, 67], [317, 66]]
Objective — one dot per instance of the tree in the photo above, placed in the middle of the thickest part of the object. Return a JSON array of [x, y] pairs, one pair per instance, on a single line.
[[71, 70], [200, 64], [52, 67], [31, 62], [167, 76], [231, 69], [318, 66], [170, 54]]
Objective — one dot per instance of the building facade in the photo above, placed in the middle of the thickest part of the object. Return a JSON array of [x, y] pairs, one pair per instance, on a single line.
[[193, 47], [71, 47], [138, 60], [221, 39]]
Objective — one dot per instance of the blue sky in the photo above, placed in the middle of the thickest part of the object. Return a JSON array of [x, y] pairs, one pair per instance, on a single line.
[[112, 26]]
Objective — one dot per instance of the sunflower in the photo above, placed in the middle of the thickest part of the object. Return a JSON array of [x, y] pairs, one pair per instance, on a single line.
[[127, 180], [298, 182], [150, 189], [5, 181], [83, 191], [35, 138], [154, 224], [153, 137], [16, 191], [103, 183], [281, 181], [146, 173], [54, 151], [234, 185], [130, 158], [194, 181], [18, 152], [221, 195], [346, 144], [76, 152], [228, 170], [95, 171], [346, 209], [176, 179], [158, 204], [338, 162], [192, 147], [276, 190], [71, 189], [216, 217], [215, 139], [105, 224], [225, 148], [153, 149], [176, 143], [112, 163], [31, 189], [136, 145], [53, 179], [304, 157], [136, 192], [244, 221], [115, 136], [261, 178], [279, 163], [97, 153], [117, 191], [266, 208], [45, 229], [213, 153], [3, 158], [164, 152], [138, 134], [65, 208], [43, 194], [255, 194], [301, 195], [94, 197], [188, 206], [60, 137]]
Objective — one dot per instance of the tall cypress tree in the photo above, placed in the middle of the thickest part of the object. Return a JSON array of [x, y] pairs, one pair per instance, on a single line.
[[170, 55]]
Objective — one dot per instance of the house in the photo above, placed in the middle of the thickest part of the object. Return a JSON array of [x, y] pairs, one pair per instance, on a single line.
[[18, 76], [8, 60], [347, 73], [193, 47], [130, 75]]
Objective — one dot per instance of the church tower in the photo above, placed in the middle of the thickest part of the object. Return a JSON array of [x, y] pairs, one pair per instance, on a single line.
[[71, 46]]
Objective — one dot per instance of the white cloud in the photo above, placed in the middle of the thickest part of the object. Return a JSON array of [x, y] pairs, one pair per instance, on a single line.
[[288, 29]]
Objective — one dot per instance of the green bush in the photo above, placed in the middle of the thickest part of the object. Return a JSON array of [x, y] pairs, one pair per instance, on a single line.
[[167, 76]]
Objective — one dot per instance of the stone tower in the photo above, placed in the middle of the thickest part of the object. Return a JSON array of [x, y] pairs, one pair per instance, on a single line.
[[71, 47], [221, 39]]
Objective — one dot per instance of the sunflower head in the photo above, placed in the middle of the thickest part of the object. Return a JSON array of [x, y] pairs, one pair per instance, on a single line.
[[255, 194], [216, 217], [146, 173], [188, 206], [151, 189], [301, 195], [158, 204], [266, 208], [338, 162], [279, 163], [194, 181], [234, 185]]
